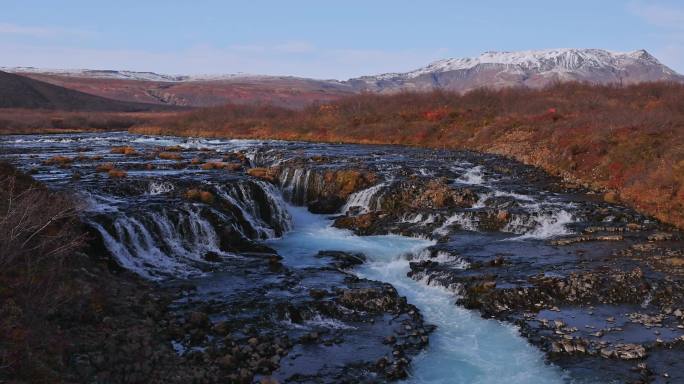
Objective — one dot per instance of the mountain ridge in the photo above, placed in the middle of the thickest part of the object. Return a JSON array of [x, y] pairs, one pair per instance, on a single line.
[[535, 68], [23, 92], [491, 69]]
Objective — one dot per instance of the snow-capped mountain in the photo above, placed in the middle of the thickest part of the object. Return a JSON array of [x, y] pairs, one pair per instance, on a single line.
[[490, 69], [525, 68], [94, 74]]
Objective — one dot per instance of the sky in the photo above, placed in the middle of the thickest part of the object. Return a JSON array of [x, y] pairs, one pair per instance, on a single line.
[[321, 39]]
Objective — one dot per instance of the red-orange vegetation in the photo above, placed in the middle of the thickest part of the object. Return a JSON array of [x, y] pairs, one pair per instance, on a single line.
[[125, 150], [170, 156], [117, 173], [62, 161], [105, 167], [221, 165], [199, 195]]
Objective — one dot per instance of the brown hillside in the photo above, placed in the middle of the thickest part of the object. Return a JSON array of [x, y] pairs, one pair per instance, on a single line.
[[22, 92]]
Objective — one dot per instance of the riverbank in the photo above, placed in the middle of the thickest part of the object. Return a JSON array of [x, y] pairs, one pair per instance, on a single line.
[[259, 288], [623, 142]]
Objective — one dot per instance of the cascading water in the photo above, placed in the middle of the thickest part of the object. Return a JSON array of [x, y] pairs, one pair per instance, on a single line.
[[367, 199], [159, 243], [264, 214], [295, 184], [465, 348], [150, 226]]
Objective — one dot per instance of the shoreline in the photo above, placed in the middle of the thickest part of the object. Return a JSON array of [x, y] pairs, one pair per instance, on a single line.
[[550, 169]]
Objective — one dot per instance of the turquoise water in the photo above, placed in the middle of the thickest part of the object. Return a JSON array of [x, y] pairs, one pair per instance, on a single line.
[[465, 348]]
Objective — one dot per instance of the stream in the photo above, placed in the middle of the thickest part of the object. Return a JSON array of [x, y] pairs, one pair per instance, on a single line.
[[293, 244]]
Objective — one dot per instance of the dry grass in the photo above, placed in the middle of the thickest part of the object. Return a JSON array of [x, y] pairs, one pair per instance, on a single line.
[[170, 156], [199, 195], [221, 165], [105, 167], [117, 173], [27, 121], [124, 150], [39, 230]]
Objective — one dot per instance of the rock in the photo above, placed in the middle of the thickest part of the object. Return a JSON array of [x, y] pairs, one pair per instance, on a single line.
[[630, 351], [329, 204], [221, 328], [268, 174], [227, 362], [611, 197], [661, 236], [317, 293], [199, 319], [343, 260], [212, 257], [357, 223]]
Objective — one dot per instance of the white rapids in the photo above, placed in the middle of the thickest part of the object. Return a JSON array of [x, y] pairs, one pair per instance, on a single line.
[[464, 348]]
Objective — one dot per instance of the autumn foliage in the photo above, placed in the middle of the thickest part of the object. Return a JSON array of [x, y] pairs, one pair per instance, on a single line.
[[628, 140]]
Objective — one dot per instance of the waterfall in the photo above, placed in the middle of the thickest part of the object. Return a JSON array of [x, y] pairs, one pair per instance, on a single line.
[[466, 220], [260, 206], [365, 199], [161, 241], [158, 243], [541, 223], [279, 211], [295, 184]]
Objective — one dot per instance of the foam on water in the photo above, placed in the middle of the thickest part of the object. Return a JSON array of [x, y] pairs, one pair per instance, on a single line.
[[473, 176], [543, 223], [365, 199], [465, 348], [466, 222]]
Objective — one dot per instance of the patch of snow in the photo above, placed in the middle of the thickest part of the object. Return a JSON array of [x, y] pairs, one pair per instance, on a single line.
[[549, 60]]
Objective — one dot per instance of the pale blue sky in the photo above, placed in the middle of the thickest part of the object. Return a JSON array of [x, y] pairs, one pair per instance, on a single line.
[[322, 39]]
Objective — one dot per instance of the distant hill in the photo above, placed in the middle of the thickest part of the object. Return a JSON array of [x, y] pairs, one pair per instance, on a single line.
[[22, 92], [533, 69], [193, 91]]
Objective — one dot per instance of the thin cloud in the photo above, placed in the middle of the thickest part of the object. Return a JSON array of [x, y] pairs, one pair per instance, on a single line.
[[11, 29], [660, 15], [285, 59], [295, 47]]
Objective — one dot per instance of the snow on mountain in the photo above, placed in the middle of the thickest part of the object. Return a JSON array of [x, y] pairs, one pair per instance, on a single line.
[[529, 68], [490, 69], [94, 73], [128, 75]]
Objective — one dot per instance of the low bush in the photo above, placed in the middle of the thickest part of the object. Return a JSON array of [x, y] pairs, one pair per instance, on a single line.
[[39, 230]]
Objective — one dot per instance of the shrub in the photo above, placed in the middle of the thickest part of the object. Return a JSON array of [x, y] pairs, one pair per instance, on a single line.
[[125, 150], [199, 195], [105, 167], [117, 173], [221, 165], [39, 230], [59, 160], [170, 156]]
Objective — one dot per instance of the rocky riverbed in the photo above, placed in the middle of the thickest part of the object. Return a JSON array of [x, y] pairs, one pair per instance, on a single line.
[[242, 295]]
